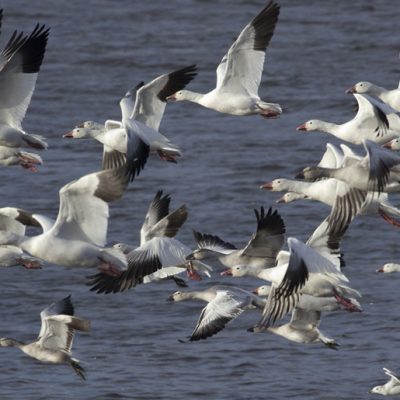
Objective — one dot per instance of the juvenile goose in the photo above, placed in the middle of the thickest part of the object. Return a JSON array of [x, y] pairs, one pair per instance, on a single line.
[[240, 70], [260, 252], [20, 64], [54, 343], [390, 388], [374, 121], [390, 97], [159, 255], [225, 303]]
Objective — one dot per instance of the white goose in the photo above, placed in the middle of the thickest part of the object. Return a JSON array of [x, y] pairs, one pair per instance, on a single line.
[[54, 342], [312, 303], [159, 256], [374, 121], [390, 388], [389, 268], [239, 72], [137, 134], [393, 144], [390, 97], [302, 328], [325, 190], [225, 303], [78, 236], [312, 269], [377, 171], [20, 65]]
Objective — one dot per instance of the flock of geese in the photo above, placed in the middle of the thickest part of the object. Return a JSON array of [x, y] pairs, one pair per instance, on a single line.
[[306, 280]]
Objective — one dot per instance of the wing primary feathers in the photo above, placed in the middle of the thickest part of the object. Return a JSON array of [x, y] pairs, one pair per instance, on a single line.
[[177, 80]]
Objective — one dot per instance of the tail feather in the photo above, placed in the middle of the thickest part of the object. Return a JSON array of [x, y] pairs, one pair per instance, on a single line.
[[78, 369]]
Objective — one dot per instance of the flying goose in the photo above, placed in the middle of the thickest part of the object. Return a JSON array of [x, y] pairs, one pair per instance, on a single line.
[[325, 190], [390, 97], [374, 121], [260, 252], [312, 303], [389, 268], [54, 343], [240, 70], [78, 236], [137, 134], [390, 388], [20, 63], [378, 171], [159, 256], [225, 303], [302, 328]]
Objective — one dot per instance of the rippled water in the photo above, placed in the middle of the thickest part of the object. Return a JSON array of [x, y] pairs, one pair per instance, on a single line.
[[99, 49]]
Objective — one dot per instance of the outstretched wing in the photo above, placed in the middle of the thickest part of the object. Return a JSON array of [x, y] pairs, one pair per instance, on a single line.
[[218, 312], [242, 66], [151, 98]]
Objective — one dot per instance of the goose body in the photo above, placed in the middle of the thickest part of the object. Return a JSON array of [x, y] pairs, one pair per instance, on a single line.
[[54, 342], [374, 121], [239, 72]]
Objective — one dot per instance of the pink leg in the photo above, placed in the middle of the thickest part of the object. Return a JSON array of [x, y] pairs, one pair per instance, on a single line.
[[109, 269], [389, 219], [346, 303], [192, 273]]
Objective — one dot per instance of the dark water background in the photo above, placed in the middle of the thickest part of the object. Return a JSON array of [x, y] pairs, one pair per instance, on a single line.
[[99, 49]]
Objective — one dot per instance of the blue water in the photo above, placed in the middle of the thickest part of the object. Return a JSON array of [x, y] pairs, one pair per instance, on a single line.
[[99, 49]]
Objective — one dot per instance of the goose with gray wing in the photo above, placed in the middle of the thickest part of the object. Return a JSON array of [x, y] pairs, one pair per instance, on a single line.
[[54, 343], [260, 252]]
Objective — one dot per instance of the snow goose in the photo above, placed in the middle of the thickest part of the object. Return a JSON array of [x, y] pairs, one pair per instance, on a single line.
[[260, 252], [325, 190], [240, 70], [393, 144], [78, 236], [138, 133], [389, 268], [390, 97], [390, 388], [374, 121], [312, 269], [312, 303], [378, 171], [54, 342], [20, 65], [225, 303], [302, 328], [159, 256]]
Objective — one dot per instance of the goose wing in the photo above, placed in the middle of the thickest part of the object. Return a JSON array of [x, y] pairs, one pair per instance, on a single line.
[[218, 312], [241, 68], [83, 211], [269, 237], [18, 75], [151, 98]]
